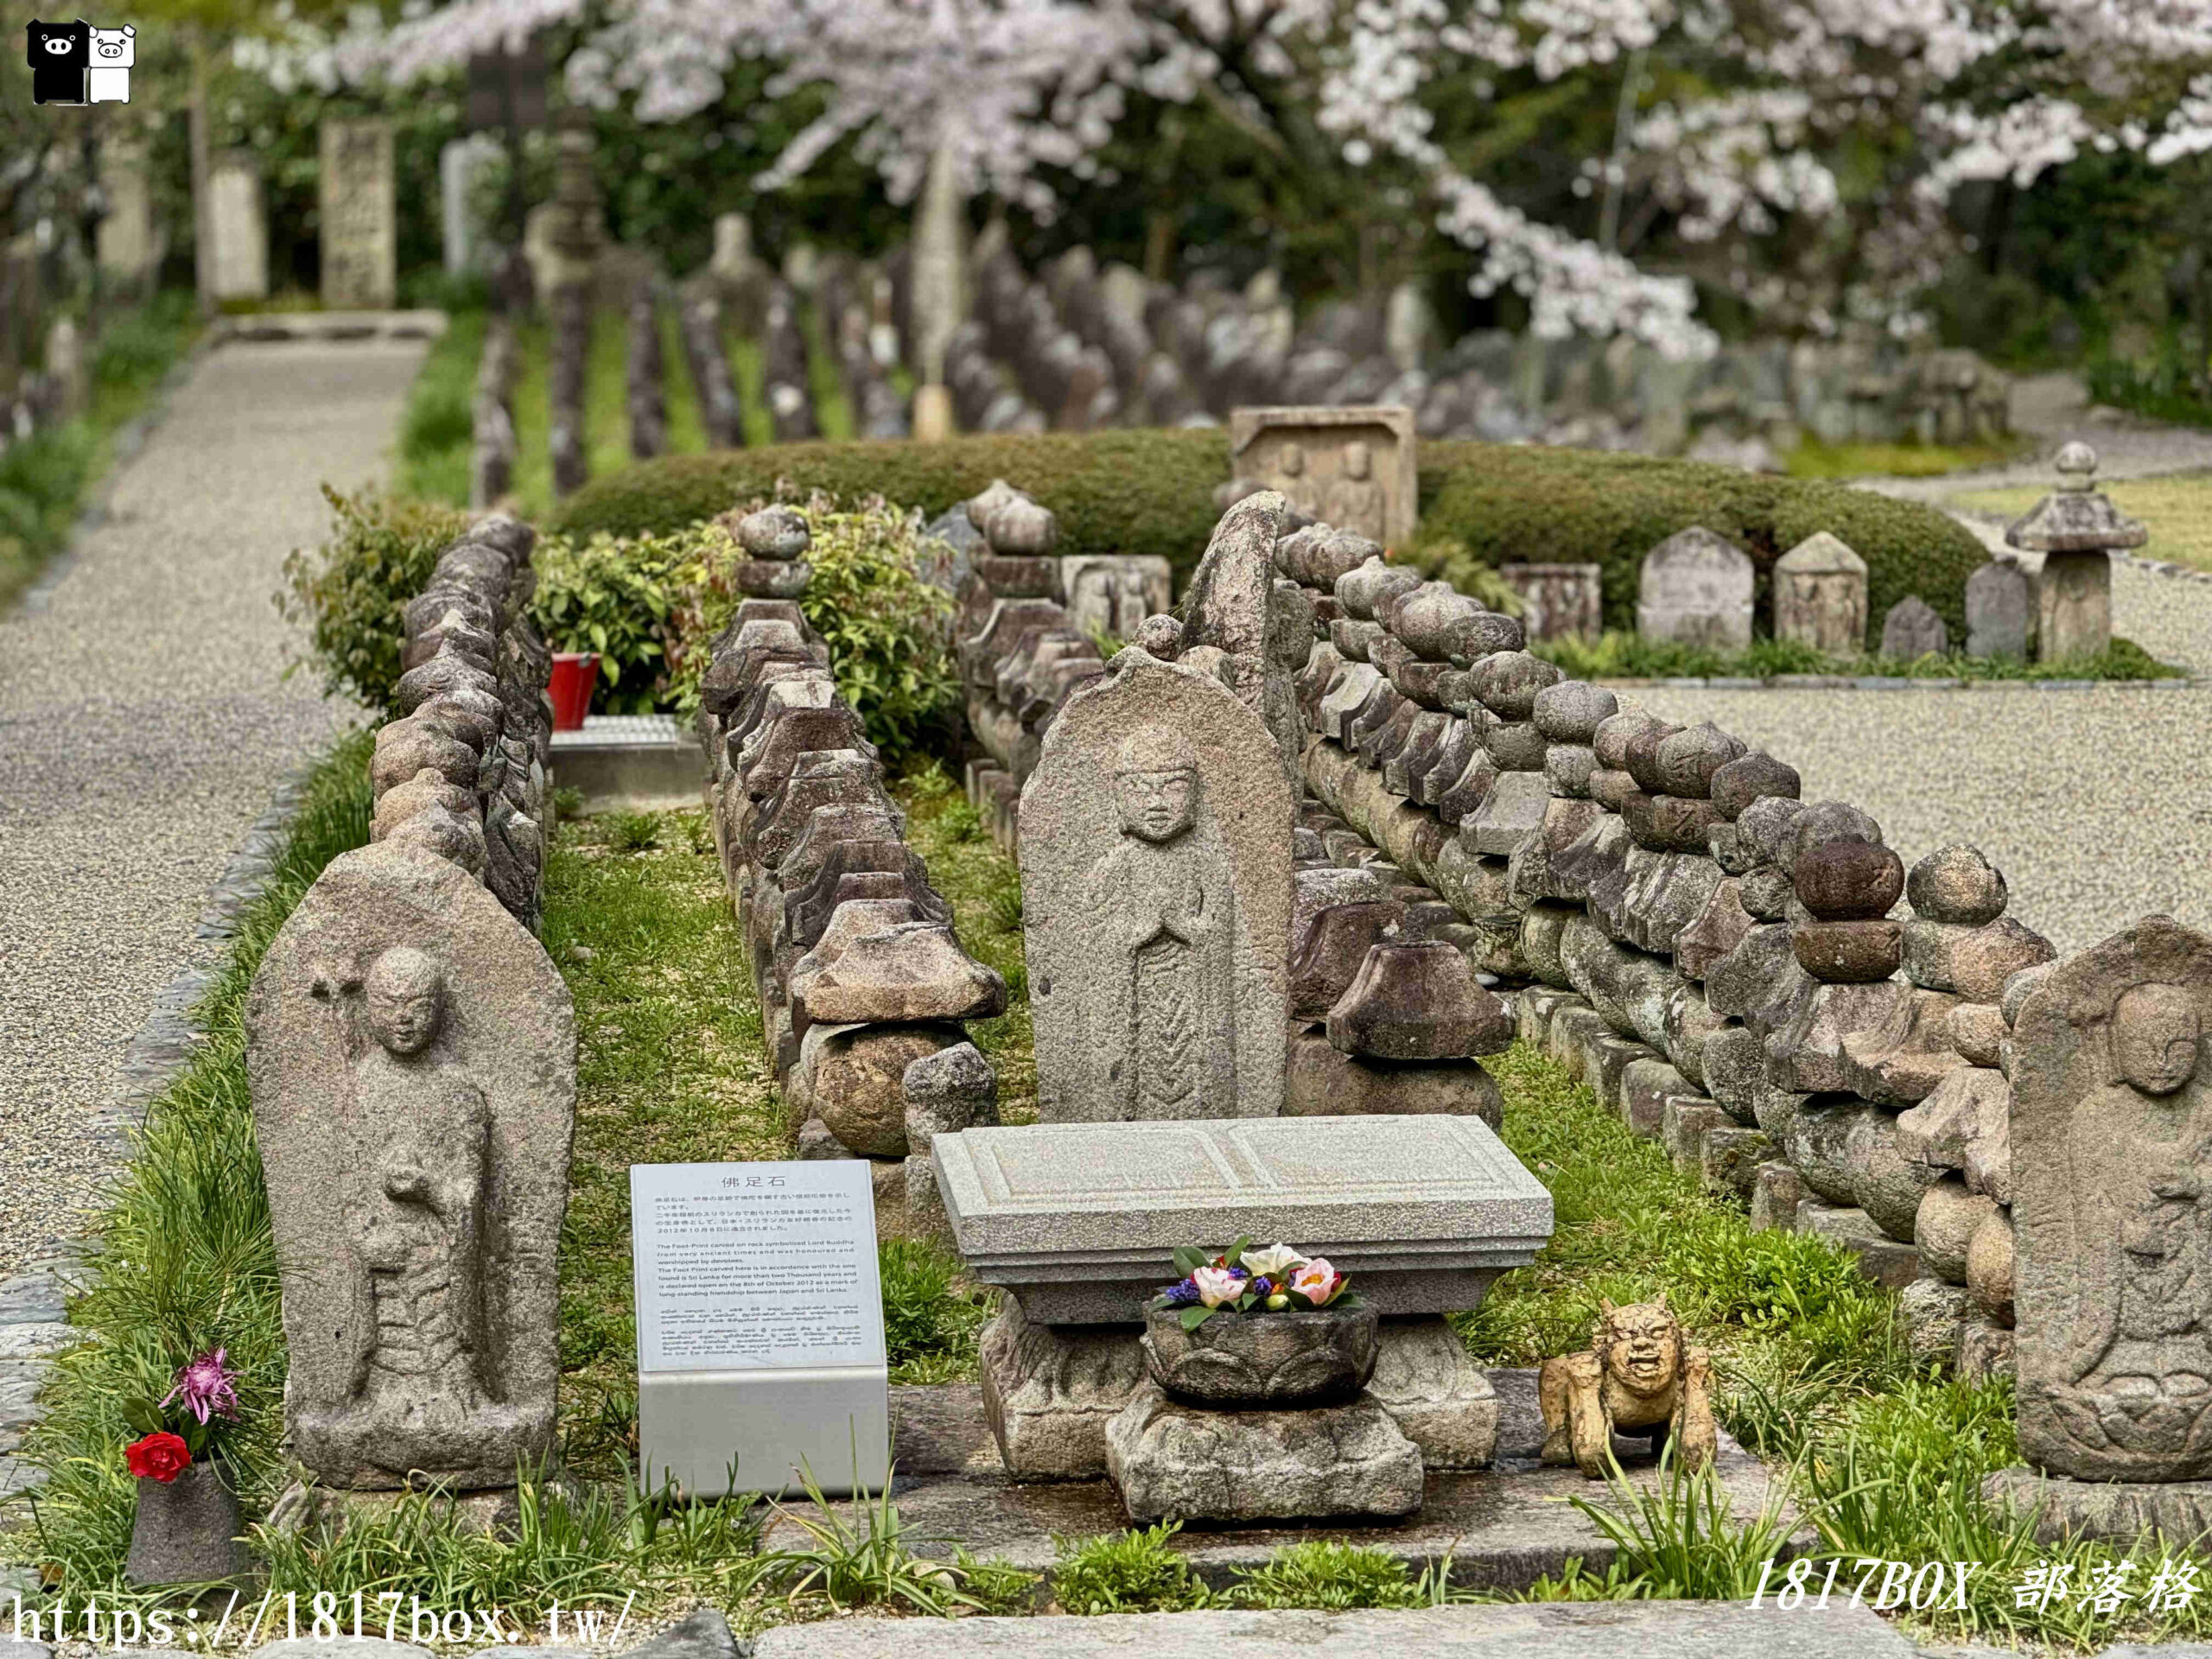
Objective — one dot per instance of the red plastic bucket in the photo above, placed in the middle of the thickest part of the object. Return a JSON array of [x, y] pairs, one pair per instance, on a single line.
[[575, 676]]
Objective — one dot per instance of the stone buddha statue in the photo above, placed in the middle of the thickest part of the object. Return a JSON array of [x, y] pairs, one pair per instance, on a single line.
[[1164, 1037]]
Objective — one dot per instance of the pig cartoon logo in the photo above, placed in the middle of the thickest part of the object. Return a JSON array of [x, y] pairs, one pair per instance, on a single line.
[[60, 55], [108, 81]]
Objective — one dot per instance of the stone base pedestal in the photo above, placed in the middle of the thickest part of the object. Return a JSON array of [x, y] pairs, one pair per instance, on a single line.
[[1049, 1391], [2179, 1511], [1188, 1464], [1436, 1393], [495, 1512]]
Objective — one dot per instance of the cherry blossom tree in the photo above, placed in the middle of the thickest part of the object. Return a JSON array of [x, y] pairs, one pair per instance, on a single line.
[[1798, 153]]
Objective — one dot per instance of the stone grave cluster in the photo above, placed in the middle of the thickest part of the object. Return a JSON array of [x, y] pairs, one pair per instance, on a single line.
[[411, 1050], [1715, 957], [862, 982]]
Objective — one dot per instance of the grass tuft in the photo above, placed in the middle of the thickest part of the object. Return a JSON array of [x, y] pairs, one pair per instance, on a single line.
[[1139, 1571]]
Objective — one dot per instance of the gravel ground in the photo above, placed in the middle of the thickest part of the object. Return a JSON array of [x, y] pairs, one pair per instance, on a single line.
[[143, 726], [2092, 803]]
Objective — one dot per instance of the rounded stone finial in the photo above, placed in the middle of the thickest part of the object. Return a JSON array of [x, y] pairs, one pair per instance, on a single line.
[[778, 533], [2077, 466], [1160, 635], [1021, 529]]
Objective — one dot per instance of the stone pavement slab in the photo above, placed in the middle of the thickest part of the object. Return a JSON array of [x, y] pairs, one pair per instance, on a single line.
[[1501, 1528], [1646, 1629]]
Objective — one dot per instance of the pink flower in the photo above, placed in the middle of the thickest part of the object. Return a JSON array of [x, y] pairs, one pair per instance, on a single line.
[[206, 1386], [1218, 1285], [1318, 1282]]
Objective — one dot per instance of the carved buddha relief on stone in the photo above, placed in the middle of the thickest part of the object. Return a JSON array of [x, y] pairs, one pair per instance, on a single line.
[[1156, 905], [2112, 1155]]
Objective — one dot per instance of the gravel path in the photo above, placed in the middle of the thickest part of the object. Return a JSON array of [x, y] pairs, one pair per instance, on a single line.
[[143, 726], [2092, 803]]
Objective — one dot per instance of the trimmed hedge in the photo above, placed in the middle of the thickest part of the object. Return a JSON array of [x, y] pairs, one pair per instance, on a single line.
[[1514, 504], [1115, 492], [1151, 491]]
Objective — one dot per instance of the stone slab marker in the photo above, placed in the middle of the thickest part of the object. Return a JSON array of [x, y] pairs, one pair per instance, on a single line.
[[412, 1055], [238, 225], [1156, 877], [1820, 596], [2077, 530], [1558, 601], [1231, 605], [1695, 587], [2001, 610], [360, 242], [1356, 468], [1913, 630]]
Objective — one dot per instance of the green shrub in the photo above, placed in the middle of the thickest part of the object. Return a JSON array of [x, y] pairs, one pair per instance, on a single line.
[[930, 1320], [352, 591], [1531, 504], [871, 599], [1121, 492], [612, 597]]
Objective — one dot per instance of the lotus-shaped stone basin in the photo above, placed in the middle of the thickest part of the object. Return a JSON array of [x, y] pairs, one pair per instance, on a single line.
[[1252, 1360]]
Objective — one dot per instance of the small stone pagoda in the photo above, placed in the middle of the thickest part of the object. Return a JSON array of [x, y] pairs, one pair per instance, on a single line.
[[2077, 530]]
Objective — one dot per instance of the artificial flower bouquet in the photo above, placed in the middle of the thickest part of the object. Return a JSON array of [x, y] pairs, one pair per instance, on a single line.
[[1240, 1279], [186, 1425]]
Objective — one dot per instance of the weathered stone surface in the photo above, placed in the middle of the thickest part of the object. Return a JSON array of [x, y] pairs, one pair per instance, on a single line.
[[1334, 950], [1759, 979], [951, 1089], [1806, 1054], [1887, 1184], [1733, 1059], [1733, 1157], [1848, 953], [1321, 1081], [1191, 1463], [1696, 588], [774, 533], [911, 971], [1666, 891], [1965, 1124], [1956, 884], [1977, 1030], [1418, 1002], [1640, 755], [853, 1078], [1913, 630], [1570, 711], [1686, 1121], [1984, 1350], [1567, 767], [1779, 1193], [1642, 1094], [1156, 874], [1848, 880], [1749, 778], [1949, 1217], [1900, 1060], [1688, 761], [1050, 1391], [2000, 611], [1507, 683], [1715, 930], [1768, 829], [2109, 1107], [1294, 1360], [1513, 808], [1882, 1259], [1975, 962], [1362, 589], [1686, 1025], [1435, 1393], [188, 1531], [411, 1051], [1929, 1314], [1816, 1139], [1992, 1265], [1819, 824], [1820, 596]]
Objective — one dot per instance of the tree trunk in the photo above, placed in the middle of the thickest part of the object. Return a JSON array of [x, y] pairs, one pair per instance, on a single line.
[[1160, 245]]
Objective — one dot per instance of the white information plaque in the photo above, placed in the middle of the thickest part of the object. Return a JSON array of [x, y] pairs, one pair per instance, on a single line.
[[760, 1355]]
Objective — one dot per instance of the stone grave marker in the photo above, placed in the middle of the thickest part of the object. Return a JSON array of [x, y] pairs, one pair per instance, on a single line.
[[462, 164], [761, 1347], [237, 228], [128, 247], [411, 1050], [1352, 468], [360, 239], [1913, 630], [1155, 867], [2001, 610], [1558, 601], [1820, 596], [1695, 587], [2077, 530], [2111, 1122]]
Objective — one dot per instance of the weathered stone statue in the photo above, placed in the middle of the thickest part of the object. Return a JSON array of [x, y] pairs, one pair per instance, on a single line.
[[1155, 863], [2112, 1130], [1356, 497], [412, 1054], [1637, 1378]]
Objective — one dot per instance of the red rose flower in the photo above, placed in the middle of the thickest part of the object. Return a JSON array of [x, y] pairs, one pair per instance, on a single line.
[[160, 1457]]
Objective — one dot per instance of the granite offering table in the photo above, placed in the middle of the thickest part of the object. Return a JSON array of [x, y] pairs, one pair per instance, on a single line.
[[1078, 1222]]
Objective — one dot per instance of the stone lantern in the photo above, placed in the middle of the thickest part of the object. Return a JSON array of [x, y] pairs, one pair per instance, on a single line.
[[2077, 530]]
